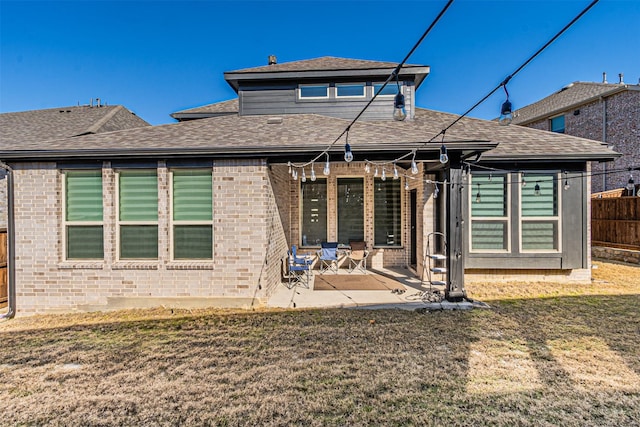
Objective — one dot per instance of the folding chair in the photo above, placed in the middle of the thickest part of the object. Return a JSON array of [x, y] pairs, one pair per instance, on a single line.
[[358, 256], [328, 256], [297, 273]]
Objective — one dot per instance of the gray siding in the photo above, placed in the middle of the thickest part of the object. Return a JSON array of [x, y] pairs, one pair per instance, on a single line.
[[284, 101]]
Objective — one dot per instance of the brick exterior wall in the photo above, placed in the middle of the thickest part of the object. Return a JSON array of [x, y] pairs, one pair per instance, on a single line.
[[622, 132], [248, 244]]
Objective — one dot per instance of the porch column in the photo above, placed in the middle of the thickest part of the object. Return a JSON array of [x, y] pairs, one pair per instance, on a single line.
[[454, 233]]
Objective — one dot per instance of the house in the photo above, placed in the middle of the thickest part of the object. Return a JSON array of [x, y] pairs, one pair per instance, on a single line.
[[202, 212], [48, 125], [605, 112]]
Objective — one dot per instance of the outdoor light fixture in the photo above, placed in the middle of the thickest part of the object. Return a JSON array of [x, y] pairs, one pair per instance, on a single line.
[[326, 171], [399, 112], [444, 157], [478, 197], [414, 166], [348, 155], [313, 173], [303, 178], [506, 115], [536, 189], [367, 168], [631, 184]]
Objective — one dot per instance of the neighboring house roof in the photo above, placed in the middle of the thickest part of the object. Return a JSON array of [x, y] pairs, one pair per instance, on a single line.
[[55, 123], [325, 68], [306, 134], [567, 98], [211, 110]]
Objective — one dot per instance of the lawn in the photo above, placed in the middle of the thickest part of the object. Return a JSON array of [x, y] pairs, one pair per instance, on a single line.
[[544, 354]]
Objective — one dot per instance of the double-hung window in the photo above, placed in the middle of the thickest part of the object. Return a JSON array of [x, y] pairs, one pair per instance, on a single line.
[[489, 199], [387, 212], [539, 216], [192, 214], [83, 222], [138, 214], [314, 212]]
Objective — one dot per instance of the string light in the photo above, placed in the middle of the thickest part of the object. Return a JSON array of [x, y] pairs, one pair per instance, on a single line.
[[399, 111], [395, 171], [313, 173], [444, 157], [348, 155], [294, 175], [436, 191], [631, 184], [406, 184], [524, 181], [304, 177], [384, 174], [414, 166], [478, 197], [375, 174], [506, 115], [367, 168], [536, 189], [566, 181], [326, 171]]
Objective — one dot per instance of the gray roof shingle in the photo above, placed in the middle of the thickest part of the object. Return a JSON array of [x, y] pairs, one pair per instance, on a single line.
[[234, 135], [324, 63], [27, 127], [570, 96], [219, 108]]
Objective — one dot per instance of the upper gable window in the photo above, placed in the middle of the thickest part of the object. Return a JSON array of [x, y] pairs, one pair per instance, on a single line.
[[389, 90], [352, 90], [557, 124], [313, 91]]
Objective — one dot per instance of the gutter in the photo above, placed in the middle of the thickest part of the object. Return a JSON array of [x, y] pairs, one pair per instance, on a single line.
[[11, 245]]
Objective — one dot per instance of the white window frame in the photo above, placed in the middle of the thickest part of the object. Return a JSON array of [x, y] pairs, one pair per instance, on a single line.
[[120, 223], [391, 83], [66, 223], [530, 179], [173, 222], [508, 218], [299, 91], [364, 91]]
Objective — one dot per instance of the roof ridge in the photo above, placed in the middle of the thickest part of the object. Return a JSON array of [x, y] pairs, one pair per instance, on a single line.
[[94, 128]]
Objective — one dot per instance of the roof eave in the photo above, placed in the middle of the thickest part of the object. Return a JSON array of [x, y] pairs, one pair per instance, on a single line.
[[599, 157]]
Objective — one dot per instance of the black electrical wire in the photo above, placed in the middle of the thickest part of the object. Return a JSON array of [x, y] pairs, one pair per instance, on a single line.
[[524, 64]]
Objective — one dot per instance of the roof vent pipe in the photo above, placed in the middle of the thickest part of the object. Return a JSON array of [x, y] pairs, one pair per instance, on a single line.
[[621, 76], [604, 77], [273, 60]]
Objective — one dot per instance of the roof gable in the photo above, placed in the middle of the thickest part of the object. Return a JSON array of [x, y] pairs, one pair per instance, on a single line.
[[570, 96]]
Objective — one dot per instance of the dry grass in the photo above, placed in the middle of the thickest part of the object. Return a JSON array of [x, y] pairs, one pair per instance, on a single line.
[[545, 354]]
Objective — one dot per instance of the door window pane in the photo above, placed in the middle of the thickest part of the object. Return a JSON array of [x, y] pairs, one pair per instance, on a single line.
[[387, 214], [350, 209], [314, 212]]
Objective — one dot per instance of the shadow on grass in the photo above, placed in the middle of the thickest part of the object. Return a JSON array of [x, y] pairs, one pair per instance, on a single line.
[[565, 360]]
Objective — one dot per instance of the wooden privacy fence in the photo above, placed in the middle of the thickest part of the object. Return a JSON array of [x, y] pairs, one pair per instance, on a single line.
[[615, 222], [3, 268]]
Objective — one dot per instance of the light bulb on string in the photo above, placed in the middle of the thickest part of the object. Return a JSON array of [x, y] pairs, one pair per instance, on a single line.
[[478, 197], [444, 157], [303, 178], [566, 181], [406, 184], [395, 172], [490, 176], [536, 189], [414, 166], [384, 175], [375, 173], [313, 173], [348, 155], [436, 191], [326, 171], [290, 168], [631, 183], [524, 181], [399, 111], [367, 168], [294, 175], [506, 115]]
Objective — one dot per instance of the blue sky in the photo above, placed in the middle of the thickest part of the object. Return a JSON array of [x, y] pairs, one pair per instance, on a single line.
[[158, 57]]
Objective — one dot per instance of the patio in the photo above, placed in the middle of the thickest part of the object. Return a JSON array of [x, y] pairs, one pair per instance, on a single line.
[[373, 290]]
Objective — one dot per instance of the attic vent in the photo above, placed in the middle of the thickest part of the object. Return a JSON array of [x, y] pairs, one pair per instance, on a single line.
[[273, 60], [274, 120]]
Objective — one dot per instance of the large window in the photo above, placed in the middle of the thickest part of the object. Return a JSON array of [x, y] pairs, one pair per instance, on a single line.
[[489, 213], [83, 214], [540, 221], [350, 209], [192, 208], [314, 212], [138, 214], [387, 212]]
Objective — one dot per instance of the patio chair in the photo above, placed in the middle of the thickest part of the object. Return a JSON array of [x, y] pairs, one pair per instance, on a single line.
[[328, 256], [298, 273], [300, 260], [358, 256]]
